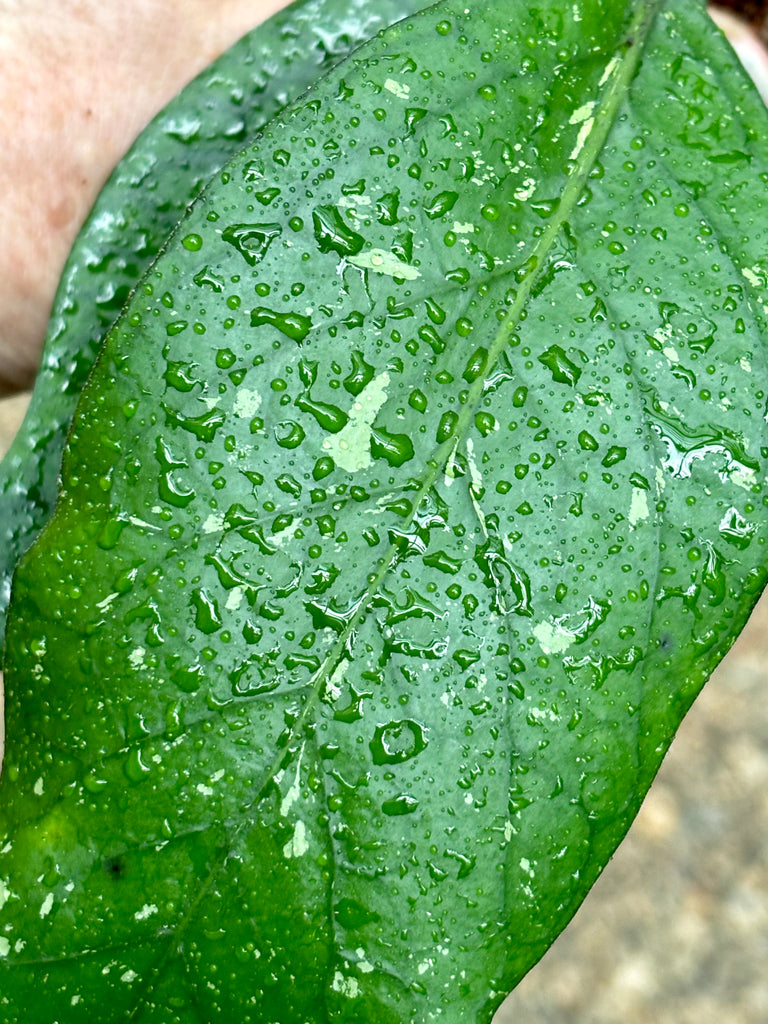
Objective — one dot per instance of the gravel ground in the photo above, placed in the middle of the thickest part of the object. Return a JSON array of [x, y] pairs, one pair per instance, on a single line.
[[676, 929]]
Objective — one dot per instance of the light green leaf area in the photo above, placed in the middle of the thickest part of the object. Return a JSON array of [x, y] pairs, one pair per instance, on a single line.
[[386, 567], [199, 131]]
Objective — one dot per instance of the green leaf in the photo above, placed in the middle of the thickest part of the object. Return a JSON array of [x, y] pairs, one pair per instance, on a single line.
[[382, 577], [146, 195]]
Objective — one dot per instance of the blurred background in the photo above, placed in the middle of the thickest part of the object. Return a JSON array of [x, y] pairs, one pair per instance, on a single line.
[[676, 929]]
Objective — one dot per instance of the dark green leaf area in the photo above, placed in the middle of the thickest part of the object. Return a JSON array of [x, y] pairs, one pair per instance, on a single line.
[[357, 646], [146, 195]]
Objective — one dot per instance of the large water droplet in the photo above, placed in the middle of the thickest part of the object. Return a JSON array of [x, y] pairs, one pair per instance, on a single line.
[[293, 325], [397, 741], [333, 234], [251, 240]]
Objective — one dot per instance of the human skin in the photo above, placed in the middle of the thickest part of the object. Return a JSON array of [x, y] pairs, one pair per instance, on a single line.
[[79, 80]]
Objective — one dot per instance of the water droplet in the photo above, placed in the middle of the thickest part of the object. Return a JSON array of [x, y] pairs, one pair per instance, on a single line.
[[207, 614], [204, 426], [386, 208], [134, 767], [399, 805], [418, 400], [333, 234], [442, 203], [362, 374], [193, 242], [330, 417], [293, 325], [685, 444], [476, 365], [289, 434], [251, 240], [397, 449], [168, 488], [446, 426], [189, 679], [397, 741], [563, 369], [412, 117], [736, 530]]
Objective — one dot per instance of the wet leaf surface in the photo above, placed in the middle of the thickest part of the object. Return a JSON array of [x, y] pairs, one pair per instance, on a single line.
[[146, 195], [412, 500]]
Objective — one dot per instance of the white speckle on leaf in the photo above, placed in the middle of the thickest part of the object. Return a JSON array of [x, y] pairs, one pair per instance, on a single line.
[[5, 892], [297, 845], [5, 947], [363, 965], [664, 333], [146, 911], [398, 89], [508, 831], [214, 523], [425, 965], [582, 137], [346, 986], [552, 637], [753, 276], [103, 605], [638, 509], [384, 262], [204, 790], [582, 113], [235, 599], [671, 354], [609, 70], [526, 190], [337, 679], [136, 659], [463, 228], [75, 999], [39, 787], [45, 909], [129, 976], [294, 792], [247, 403], [742, 476], [351, 202], [350, 449], [543, 714], [143, 524]]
